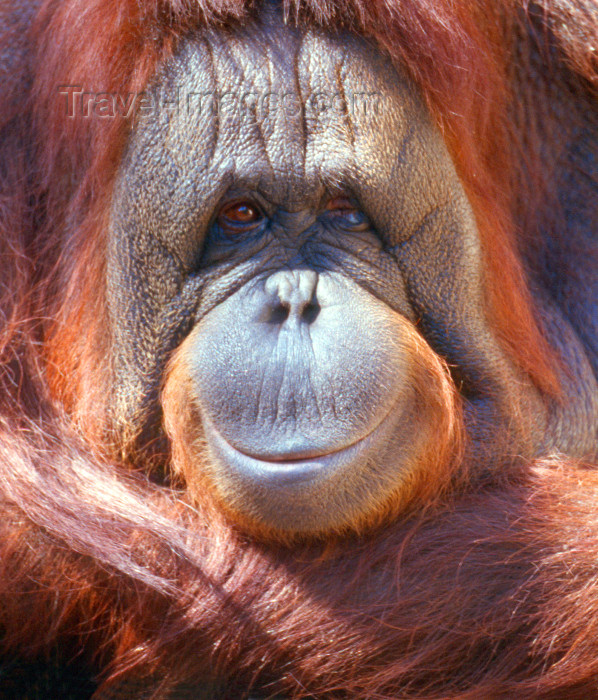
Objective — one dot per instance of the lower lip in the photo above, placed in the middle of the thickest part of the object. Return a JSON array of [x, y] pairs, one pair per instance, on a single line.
[[287, 472]]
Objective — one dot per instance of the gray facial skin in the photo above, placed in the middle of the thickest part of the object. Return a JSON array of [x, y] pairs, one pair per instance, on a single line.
[[294, 330]]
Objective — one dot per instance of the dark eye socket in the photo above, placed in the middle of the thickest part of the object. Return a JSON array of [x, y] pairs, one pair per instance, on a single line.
[[240, 215]]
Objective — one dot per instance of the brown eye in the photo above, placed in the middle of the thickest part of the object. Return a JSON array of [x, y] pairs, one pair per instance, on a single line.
[[346, 214], [239, 214], [341, 205]]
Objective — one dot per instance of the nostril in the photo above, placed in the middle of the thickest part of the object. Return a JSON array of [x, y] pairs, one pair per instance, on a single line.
[[291, 297], [310, 312], [279, 313]]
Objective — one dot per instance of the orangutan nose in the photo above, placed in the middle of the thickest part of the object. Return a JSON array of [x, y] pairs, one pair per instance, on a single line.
[[292, 297]]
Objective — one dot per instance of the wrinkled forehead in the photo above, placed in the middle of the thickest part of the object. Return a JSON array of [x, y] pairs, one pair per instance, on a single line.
[[282, 110], [284, 113]]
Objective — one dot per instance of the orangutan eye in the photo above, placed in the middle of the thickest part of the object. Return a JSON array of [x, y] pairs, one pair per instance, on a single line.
[[239, 216], [350, 214], [340, 205]]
